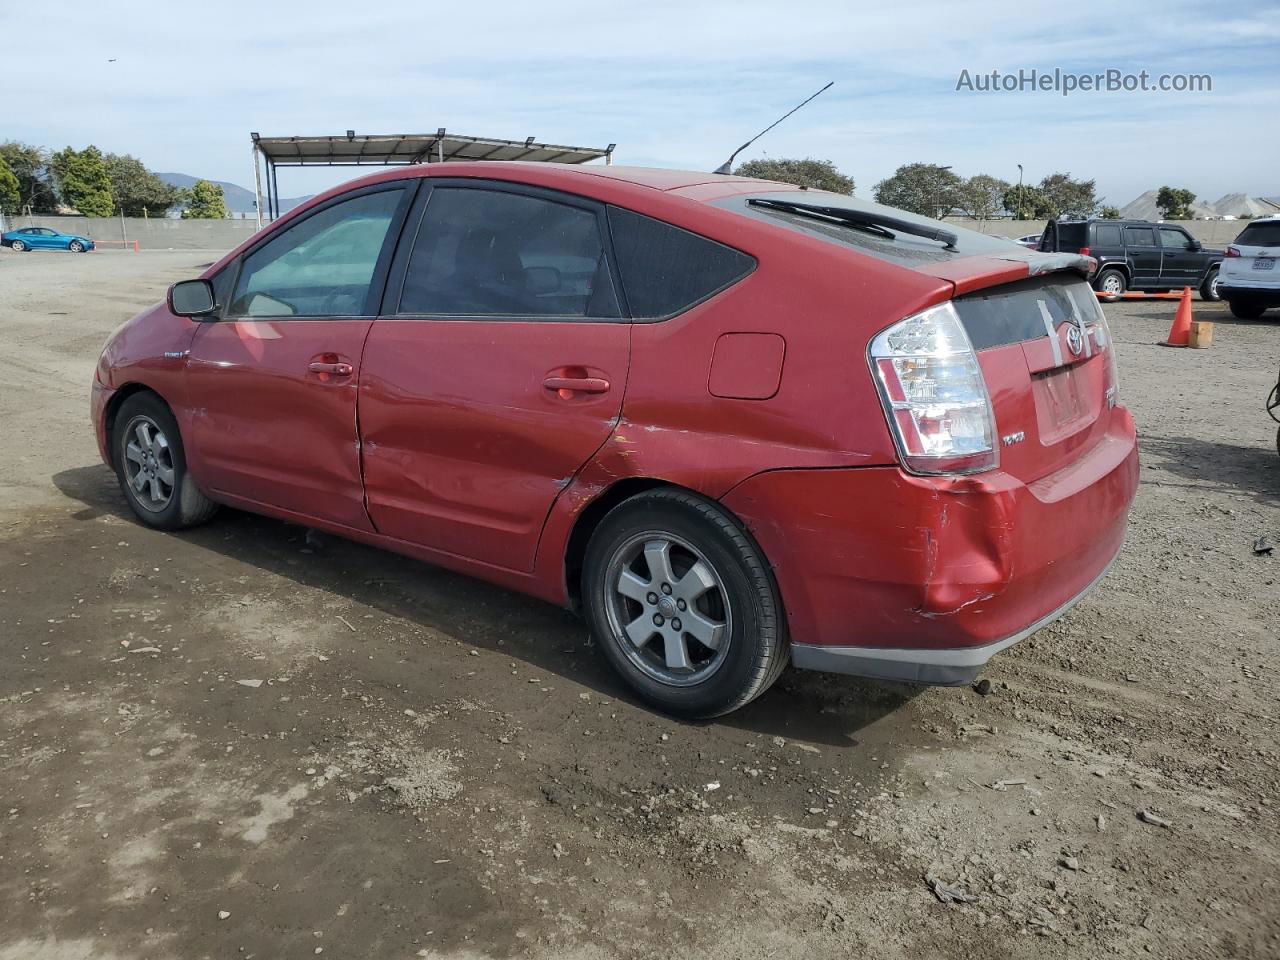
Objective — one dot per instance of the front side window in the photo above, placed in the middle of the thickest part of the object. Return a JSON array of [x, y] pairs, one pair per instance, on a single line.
[[482, 252], [1173, 239], [1139, 237], [320, 267]]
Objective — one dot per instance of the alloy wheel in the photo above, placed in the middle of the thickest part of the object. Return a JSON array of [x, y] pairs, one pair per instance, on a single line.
[[148, 464], [668, 608]]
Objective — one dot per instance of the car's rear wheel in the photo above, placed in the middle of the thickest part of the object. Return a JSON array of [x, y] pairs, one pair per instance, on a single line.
[[1111, 283], [1245, 310], [75, 246], [19, 246], [683, 604], [1209, 289], [151, 465]]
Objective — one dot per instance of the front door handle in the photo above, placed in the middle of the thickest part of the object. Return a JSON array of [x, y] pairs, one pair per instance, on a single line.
[[566, 386], [337, 369]]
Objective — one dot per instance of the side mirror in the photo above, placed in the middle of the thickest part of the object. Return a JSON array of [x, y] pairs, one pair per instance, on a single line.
[[191, 298], [1193, 245]]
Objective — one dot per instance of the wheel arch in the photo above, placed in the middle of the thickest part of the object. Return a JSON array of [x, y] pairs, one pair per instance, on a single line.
[[112, 408]]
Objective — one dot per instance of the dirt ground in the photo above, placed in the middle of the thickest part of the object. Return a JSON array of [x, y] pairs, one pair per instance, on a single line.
[[235, 742]]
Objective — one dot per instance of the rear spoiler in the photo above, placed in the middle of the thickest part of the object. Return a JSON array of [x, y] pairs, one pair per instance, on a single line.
[[1040, 263]]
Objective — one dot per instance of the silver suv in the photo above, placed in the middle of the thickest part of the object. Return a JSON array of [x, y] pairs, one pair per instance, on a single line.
[[1249, 279]]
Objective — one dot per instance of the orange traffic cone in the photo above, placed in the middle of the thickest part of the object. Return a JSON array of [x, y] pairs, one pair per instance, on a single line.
[[1180, 332]]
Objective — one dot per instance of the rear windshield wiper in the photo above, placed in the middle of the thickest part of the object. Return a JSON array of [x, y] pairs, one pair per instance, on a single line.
[[875, 222]]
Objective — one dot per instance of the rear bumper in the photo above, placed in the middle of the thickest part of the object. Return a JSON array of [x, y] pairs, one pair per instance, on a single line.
[[1268, 296], [889, 575], [943, 667]]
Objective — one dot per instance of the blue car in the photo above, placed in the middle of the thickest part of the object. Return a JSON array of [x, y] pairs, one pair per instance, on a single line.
[[42, 238]]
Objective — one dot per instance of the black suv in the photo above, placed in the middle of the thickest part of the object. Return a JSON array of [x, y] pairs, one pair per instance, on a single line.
[[1138, 255]]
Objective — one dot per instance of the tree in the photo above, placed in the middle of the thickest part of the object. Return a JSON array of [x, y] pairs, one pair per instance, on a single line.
[[9, 195], [1109, 213], [819, 174], [1175, 203], [30, 166], [982, 196], [923, 188], [1069, 198], [1027, 202], [136, 190], [82, 180], [204, 202]]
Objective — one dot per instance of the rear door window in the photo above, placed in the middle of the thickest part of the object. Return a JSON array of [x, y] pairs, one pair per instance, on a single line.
[[483, 252], [1139, 237], [665, 269], [1260, 235]]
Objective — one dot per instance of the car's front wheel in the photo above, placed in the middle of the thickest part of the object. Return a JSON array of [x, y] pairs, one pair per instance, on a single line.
[[1209, 289], [152, 466], [1111, 284], [683, 604], [75, 246], [19, 246], [1245, 310]]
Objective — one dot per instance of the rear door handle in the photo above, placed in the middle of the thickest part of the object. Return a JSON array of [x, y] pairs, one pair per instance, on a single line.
[[577, 384], [337, 369]]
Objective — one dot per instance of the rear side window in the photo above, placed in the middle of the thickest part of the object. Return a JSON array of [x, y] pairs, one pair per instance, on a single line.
[[666, 270], [484, 253], [1260, 234], [1072, 236], [1108, 235], [1139, 237]]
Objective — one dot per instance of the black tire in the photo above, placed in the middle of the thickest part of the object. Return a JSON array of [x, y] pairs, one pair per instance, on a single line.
[[1112, 282], [19, 246], [184, 506], [1209, 289], [756, 651], [75, 246], [1245, 310]]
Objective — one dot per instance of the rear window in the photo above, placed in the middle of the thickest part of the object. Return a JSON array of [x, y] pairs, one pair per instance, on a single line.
[[1107, 235], [666, 270], [1260, 234], [903, 248], [1012, 313]]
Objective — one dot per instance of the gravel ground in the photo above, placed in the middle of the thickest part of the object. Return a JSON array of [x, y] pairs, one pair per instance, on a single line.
[[240, 742]]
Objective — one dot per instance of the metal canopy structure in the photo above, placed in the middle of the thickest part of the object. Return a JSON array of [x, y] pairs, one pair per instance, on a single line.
[[271, 153]]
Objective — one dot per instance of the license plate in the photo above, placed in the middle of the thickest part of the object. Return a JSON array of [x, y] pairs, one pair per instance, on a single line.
[[1264, 263]]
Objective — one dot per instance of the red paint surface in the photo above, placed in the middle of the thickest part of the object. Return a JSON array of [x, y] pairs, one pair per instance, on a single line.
[[469, 460]]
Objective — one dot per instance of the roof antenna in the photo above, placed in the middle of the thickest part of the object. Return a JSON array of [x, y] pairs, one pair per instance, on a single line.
[[727, 166]]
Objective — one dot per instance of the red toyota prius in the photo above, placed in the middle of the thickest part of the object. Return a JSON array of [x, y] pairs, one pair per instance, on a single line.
[[738, 424]]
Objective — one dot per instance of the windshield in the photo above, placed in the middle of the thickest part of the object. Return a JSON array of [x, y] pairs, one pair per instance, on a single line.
[[901, 248]]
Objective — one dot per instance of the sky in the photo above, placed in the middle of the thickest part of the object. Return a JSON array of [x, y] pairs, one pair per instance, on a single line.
[[674, 84]]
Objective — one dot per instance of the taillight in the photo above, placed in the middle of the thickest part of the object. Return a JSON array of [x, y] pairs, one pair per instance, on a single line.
[[1084, 251], [1233, 251], [934, 395]]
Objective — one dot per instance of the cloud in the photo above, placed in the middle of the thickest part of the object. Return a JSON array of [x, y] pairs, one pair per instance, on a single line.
[[672, 83]]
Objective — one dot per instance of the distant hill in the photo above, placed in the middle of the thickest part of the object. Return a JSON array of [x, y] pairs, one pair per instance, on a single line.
[[1232, 205], [238, 199]]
